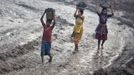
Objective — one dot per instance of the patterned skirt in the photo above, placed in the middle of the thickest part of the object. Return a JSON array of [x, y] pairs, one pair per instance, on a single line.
[[101, 32], [77, 38]]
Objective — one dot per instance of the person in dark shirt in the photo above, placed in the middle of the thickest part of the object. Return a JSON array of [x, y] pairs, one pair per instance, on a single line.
[[46, 38], [101, 30]]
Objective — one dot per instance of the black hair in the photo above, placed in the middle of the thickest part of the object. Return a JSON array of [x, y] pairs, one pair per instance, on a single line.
[[104, 9], [81, 11], [49, 20]]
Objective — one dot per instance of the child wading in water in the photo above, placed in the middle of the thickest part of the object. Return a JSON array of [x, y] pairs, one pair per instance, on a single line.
[[46, 38], [78, 28], [101, 30]]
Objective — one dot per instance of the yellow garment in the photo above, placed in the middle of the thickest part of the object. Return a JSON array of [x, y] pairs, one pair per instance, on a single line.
[[79, 21], [77, 36], [78, 29], [78, 24]]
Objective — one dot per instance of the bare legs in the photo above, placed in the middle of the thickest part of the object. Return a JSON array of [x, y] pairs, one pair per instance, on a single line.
[[76, 42], [50, 58], [42, 58], [76, 47], [103, 41], [99, 42]]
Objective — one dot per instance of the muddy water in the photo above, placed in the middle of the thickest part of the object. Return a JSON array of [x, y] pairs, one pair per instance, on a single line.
[[20, 42]]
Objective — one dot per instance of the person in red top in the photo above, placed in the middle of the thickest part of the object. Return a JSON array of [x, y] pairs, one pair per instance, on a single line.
[[46, 38]]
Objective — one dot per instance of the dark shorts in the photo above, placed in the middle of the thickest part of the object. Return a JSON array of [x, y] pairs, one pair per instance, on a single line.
[[45, 48]]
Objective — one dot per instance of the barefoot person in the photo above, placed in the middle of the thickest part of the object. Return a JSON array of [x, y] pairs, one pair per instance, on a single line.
[[78, 28], [46, 39], [101, 30]]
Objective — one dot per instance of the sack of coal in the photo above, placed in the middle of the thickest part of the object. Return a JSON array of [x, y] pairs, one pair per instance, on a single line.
[[104, 3], [81, 6], [50, 13]]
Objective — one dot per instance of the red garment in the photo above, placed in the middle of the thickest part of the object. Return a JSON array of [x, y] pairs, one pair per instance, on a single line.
[[101, 36], [47, 33], [76, 38]]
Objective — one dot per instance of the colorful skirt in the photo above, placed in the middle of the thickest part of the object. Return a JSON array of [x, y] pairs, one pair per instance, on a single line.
[[101, 32], [77, 37]]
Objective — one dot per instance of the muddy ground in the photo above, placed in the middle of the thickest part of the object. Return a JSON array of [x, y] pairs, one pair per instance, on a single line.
[[20, 41]]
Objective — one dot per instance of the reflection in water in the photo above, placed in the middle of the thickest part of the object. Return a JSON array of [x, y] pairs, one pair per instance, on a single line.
[[98, 60]]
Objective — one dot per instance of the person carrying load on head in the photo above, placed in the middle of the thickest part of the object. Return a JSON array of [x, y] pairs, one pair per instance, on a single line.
[[101, 30], [47, 34], [78, 28]]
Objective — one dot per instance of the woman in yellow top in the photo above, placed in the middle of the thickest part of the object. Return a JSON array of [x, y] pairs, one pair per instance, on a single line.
[[78, 28]]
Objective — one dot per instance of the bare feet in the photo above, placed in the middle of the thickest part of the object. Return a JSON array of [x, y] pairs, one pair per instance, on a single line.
[[98, 48], [42, 58], [75, 50], [102, 47], [50, 60], [71, 39]]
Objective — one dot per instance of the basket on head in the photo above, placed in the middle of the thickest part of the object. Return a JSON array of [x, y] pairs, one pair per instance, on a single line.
[[81, 6], [50, 13], [104, 3]]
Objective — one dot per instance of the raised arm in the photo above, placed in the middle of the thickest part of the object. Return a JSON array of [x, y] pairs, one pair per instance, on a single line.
[[41, 19], [75, 14], [97, 8], [112, 12], [82, 19], [53, 24]]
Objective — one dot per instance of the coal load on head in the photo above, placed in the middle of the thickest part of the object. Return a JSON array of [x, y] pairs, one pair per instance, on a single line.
[[81, 6], [50, 13], [104, 3]]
